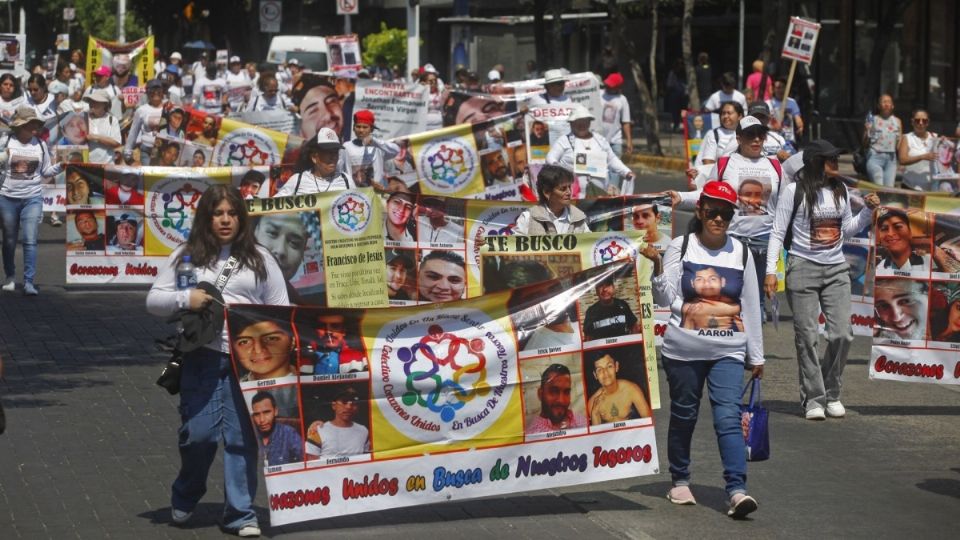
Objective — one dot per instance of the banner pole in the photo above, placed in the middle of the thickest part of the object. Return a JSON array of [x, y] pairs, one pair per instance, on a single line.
[[786, 92]]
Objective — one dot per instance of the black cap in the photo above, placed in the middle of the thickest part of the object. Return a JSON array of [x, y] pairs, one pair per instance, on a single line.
[[758, 107], [397, 254], [820, 148]]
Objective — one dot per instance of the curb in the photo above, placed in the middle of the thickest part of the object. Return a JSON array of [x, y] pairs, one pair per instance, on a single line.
[[660, 162]]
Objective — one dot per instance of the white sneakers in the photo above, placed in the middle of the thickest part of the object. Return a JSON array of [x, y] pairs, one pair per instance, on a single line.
[[179, 516], [835, 409], [815, 413], [249, 531], [9, 285]]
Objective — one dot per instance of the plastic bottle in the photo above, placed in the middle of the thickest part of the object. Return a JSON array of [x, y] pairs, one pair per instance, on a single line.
[[186, 274]]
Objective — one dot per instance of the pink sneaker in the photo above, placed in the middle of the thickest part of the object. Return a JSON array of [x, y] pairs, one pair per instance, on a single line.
[[681, 495]]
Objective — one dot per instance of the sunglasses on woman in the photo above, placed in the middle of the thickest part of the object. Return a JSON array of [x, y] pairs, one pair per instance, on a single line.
[[725, 214]]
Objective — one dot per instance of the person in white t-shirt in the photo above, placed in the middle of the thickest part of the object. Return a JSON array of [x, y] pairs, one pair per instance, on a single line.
[[269, 98], [365, 154], [28, 162], [340, 436], [615, 121], [590, 157], [209, 91], [146, 124], [103, 138], [727, 92], [815, 212], [317, 170]]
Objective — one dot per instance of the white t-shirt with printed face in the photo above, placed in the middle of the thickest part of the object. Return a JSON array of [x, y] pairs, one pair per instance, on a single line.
[[757, 184], [341, 441], [616, 112]]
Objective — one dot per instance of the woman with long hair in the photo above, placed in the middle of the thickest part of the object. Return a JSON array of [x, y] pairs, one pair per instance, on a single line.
[[710, 284], [211, 404], [917, 151], [320, 167], [11, 96], [815, 213]]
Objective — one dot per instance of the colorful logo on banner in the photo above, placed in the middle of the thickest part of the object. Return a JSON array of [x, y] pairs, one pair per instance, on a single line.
[[447, 374], [350, 213], [170, 206], [611, 248], [447, 164], [246, 147]]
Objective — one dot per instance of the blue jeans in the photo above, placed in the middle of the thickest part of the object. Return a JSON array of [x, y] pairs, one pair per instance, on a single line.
[[20, 215], [212, 410], [882, 167], [724, 378]]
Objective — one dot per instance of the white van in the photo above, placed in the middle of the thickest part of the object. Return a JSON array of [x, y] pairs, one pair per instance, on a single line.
[[311, 51]]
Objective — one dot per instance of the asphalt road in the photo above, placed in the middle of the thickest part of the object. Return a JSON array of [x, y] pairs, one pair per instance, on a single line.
[[90, 449]]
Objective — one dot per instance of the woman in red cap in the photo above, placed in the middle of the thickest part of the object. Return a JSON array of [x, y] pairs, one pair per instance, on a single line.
[[365, 153], [709, 280]]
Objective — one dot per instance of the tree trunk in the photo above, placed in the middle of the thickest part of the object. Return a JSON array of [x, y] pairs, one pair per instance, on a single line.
[[688, 61], [654, 23], [558, 49], [540, 34], [890, 13], [625, 47]]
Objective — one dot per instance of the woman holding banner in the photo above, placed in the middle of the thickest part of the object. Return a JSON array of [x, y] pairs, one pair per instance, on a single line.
[[589, 156], [708, 276], [812, 218], [211, 404], [555, 214]]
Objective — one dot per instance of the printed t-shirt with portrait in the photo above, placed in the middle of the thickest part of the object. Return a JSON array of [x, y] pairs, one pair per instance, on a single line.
[[757, 184], [340, 441], [616, 112], [24, 166], [607, 321], [209, 94]]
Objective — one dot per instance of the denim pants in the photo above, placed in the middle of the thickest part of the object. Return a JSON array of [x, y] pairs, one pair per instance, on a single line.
[[20, 215], [212, 410], [813, 287], [724, 378], [882, 167]]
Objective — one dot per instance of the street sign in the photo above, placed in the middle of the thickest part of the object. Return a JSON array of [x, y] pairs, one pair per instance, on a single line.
[[271, 12], [348, 7], [801, 40], [69, 14]]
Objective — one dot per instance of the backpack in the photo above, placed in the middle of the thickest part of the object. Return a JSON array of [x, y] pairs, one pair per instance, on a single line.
[[686, 240]]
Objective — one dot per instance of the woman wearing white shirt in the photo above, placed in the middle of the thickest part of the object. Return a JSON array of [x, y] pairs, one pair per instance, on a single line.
[[104, 136], [589, 156], [146, 124], [11, 96], [916, 152], [815, 212], [42, 101], [21, 195], [317, 169], [212, 407], [555, 214], [269, 98]]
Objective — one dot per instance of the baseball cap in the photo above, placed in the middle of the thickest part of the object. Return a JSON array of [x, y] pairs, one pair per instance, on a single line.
[[748, 122], [99, 95], [363, 116], [131, 218], [493, 75], [821, 148], [293, 62], [327, 138], [176, 56], [614, 80], [428, 68], [234, 59], [397, 255], [758, 107], [720, 191], [57, 87], [154, 84], [173, 68], [103, 71]]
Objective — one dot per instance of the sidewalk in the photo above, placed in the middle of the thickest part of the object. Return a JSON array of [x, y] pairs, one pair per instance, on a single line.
[[90, 449]]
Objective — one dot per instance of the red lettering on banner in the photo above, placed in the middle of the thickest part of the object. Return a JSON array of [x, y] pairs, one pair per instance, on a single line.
[[619, 456], [659, 329], [908, 369], [862, 320], [370, 487], [142, 269], [93, 270], [956, 371], [296, 499]]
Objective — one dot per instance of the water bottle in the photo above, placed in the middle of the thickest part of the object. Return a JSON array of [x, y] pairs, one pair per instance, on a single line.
[[186, 274]]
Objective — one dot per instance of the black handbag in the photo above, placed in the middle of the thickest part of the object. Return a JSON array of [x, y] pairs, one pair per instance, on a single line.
[[196, 329]]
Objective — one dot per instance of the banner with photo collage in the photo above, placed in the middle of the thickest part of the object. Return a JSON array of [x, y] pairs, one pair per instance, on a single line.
[[916, 295], [696, 126], [100, 52], [365, 410], [224, 142]]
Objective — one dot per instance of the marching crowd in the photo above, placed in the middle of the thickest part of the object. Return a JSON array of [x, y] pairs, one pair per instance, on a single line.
[[754, 190]]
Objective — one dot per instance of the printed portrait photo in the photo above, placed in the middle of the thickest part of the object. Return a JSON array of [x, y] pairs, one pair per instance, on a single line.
[[752, 196], [330, 343], [617, 387], [946, 244], [124, 232], [124, 186], [945, 312], [545, 317], [610, 307], [553, 394], [337, 417], [85, 230], [264, 349], [275, 414], [900, 308], [507, 272], [440, 220], [441, 276], [84, 187], [294, 240], [711, 298], [401, 275], [494, 168], [903, 242]]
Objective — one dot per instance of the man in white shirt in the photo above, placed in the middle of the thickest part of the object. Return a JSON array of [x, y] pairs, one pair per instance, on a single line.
[[340, 436], [323, 155], [727, 92]]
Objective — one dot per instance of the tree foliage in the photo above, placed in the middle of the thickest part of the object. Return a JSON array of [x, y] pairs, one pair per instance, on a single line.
[[97, 18], [389, 42]]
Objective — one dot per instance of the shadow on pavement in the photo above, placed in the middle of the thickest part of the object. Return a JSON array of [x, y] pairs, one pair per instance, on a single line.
[[711, 497], [941, 486]]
